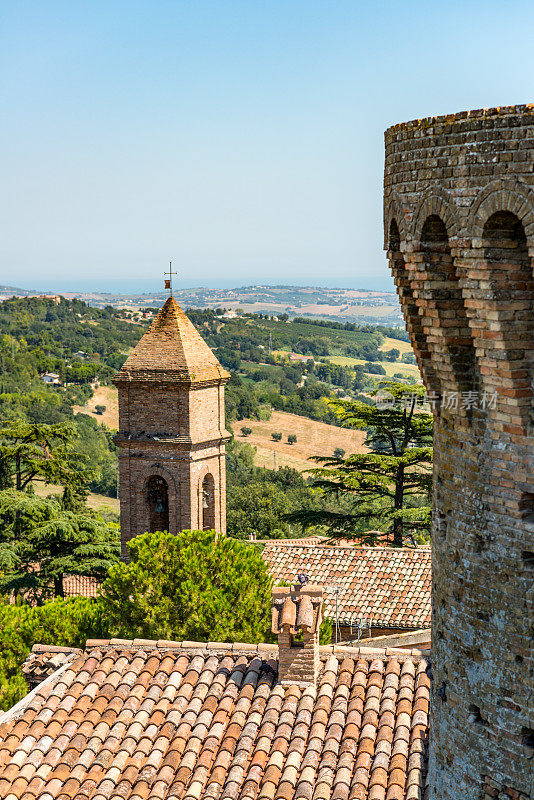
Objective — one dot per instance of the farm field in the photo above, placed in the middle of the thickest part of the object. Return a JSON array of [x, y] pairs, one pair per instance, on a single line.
[[313, 438], [103, 396], [390, 366], [95, 501], [402, 347]]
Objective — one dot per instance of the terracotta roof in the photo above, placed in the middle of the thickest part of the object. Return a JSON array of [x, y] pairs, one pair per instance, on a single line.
[[390, 585], [44, 660], [307, 540], [132, 721], [80, 586], [171, 350]]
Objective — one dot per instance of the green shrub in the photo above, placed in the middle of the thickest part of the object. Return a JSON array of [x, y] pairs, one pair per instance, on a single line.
[[195, 586], [67, 623]]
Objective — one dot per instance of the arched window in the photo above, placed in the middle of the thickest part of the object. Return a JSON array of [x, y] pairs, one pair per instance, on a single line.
[[450, 336], [208, 503], [157, 500]]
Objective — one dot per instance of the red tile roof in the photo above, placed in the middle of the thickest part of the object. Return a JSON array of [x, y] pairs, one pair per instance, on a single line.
[[390, 585], [43, 660], [80, 586], [132, 721]]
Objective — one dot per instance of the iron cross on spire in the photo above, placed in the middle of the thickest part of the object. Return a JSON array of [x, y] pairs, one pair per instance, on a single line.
[[170, 273]]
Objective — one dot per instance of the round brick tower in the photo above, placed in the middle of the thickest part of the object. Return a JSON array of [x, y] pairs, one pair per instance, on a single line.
[[459, 231]]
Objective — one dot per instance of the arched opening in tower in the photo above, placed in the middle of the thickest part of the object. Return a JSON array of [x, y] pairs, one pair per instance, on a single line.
[[408, 288], [452, 342], [208, 503], [512, 287], [157, 500]]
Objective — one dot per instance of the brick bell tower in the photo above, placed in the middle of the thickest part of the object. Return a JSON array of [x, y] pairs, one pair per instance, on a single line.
[[171, 435]]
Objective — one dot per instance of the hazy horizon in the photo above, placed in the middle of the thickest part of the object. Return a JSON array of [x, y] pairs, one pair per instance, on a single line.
[[149, 286]]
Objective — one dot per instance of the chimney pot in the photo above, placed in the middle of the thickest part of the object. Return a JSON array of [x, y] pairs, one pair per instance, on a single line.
[[296, 619]]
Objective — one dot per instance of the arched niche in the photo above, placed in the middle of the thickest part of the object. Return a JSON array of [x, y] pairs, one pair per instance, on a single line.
[[408, 289], [157, 503], [450, 336], [208, 502], [506, 257]]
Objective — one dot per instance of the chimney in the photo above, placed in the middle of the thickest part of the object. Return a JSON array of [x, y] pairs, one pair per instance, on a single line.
[[297, 615]]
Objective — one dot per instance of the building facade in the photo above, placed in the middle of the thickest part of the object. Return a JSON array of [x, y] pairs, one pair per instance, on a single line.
[[172, 433], [459, 231]]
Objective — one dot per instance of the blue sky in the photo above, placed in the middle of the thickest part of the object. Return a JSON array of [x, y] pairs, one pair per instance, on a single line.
[[244, 140]]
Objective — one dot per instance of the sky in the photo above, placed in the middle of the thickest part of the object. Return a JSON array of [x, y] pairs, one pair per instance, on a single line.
[[243, 139]]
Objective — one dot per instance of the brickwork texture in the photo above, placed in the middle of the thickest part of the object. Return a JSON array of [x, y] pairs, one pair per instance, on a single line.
[[172, 433], [459, 231]]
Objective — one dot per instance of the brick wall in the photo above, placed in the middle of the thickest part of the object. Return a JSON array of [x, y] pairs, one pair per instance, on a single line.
[[459, 230], [175, 432]]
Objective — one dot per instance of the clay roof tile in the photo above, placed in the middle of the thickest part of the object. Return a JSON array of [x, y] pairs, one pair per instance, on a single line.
[[172, 350], [222, 728]]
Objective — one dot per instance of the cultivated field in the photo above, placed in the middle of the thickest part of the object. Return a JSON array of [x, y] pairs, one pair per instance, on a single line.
[[391, 367], [96, 501], [313, 438], [398, 344], [103, 396]]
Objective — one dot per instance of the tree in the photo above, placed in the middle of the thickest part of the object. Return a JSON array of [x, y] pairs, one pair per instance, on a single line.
[[38, 451], [339, 452], [100, 409], [68, 623], [276, 437], [259, 507], [194, 586], [291, 439], [246, 431], [374, 369], [392, 483], [41, 540]]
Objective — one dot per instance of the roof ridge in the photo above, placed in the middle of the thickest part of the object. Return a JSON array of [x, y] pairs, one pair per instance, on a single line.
[[244, 647], [352, 548]]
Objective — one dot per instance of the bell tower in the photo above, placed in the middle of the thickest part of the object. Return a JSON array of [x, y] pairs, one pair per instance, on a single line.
[[171, 435]]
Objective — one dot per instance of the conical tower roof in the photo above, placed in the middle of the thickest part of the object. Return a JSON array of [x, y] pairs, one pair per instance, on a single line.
[[172, 350]]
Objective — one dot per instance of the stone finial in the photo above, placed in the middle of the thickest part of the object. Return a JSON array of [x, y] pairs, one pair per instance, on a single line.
[[296, 619]]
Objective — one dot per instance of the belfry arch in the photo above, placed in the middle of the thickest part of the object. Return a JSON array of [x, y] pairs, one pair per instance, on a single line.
[[208, 502], [157, 503]]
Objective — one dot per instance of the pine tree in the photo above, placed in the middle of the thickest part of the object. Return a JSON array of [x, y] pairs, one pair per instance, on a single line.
[[194, 586], [390, 485], [39, 451], [41, 541]]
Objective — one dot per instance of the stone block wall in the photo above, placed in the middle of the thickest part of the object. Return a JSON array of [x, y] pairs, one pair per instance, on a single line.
[[459, 231]]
